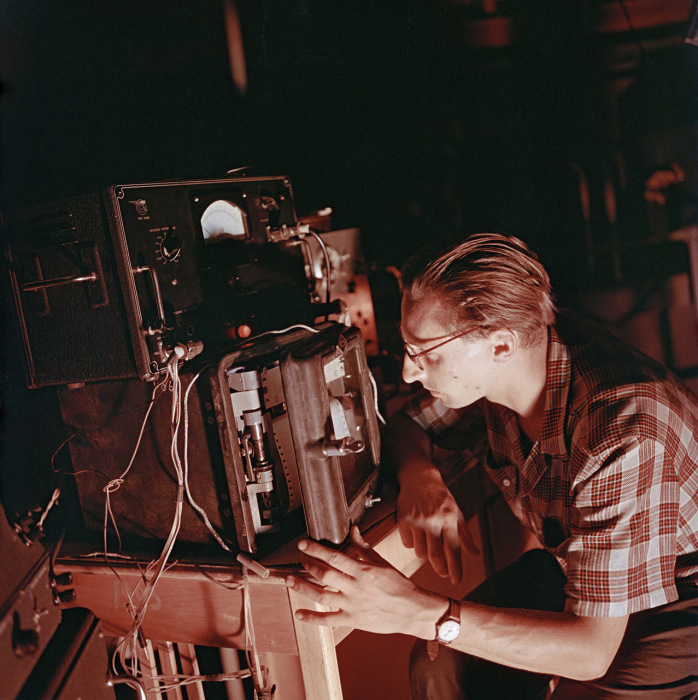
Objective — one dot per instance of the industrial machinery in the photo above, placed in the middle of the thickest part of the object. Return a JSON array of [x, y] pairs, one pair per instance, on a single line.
[[106, 285], [216, 288]]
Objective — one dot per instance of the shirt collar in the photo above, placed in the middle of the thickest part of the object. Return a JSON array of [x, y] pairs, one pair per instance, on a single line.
[[552, 435]]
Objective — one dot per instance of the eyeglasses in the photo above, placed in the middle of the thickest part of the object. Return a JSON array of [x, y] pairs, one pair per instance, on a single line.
[[414, 356]]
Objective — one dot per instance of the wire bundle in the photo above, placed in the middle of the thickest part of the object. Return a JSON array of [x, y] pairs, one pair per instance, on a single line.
[[126, 650]]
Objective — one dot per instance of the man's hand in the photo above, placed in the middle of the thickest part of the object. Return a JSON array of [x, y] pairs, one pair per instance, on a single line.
[[365, 593], [371, 595], [430, 521]]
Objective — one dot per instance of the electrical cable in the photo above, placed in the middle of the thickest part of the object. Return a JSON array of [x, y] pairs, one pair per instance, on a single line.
[[58, 490], [222, 584], [87, 428], [190, 498], [286, 330], [173, 371], [114, 485], [179, 414], [134, 634], [149, 578], [375, 397], [177, 681], [259, 676], [51, 503], [328, 272], [130, 681], [259, 673]]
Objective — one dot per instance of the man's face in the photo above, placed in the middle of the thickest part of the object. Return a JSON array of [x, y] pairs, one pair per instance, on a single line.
[[458, 372]]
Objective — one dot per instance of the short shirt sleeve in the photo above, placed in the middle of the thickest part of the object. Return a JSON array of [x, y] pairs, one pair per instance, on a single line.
[[622, 550]]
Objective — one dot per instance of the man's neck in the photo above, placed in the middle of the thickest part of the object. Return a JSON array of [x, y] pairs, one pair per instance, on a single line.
[[525, 390]]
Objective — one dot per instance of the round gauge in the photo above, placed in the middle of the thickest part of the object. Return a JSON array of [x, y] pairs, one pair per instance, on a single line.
[[223, 219]]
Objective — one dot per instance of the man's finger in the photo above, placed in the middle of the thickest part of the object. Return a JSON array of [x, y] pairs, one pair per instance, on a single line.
[[325, 574], [454, 558], [405, 534], [362, 548], [329, 619], [322, 595], [419, 540], [331, 566], [466, 539], [436, 554], [333, 558], [329, 616]]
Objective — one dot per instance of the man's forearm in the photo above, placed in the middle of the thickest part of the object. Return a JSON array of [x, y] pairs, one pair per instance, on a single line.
[[429, 519], [372, 595], [407, 448], [561, 644]]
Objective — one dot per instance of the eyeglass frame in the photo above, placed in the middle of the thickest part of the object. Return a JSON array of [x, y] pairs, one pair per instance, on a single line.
[[415, 356]]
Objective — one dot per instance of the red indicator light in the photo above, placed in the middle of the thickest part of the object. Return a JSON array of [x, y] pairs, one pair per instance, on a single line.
[[244, 331]]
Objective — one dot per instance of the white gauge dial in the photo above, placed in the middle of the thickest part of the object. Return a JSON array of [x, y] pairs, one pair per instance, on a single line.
[[223, 219]]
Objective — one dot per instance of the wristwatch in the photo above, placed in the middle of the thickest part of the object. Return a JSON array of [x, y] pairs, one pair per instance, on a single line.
[[447, 628]]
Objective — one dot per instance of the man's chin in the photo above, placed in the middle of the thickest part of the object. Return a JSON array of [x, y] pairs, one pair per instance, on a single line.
[[448, 401], [445, 399]]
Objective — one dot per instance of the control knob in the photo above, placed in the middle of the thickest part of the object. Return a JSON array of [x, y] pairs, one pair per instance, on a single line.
[[169, 246]]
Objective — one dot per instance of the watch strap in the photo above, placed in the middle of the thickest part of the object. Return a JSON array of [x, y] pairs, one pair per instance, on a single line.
[[452, 613]]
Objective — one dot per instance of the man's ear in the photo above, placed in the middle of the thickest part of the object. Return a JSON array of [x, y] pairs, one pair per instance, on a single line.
[[504, 344]]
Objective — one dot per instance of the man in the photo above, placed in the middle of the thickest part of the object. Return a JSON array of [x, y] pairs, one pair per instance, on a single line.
[[595, 448]]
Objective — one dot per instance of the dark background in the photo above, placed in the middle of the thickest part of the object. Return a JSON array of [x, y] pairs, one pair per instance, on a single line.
[[415, 121], [389, 112]]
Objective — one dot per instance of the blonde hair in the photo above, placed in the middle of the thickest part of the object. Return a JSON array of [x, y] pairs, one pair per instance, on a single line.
[[489, 280]]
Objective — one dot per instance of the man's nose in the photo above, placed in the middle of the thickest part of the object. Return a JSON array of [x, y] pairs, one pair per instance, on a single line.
[[410, 371]]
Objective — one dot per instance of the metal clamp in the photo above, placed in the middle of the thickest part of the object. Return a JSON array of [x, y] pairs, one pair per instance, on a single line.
[[346, 446]]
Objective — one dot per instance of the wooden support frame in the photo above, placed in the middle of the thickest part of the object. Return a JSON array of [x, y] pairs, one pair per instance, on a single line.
[[203, 604]]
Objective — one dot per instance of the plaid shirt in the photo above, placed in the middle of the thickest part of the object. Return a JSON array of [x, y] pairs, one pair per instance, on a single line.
[[611, 486]]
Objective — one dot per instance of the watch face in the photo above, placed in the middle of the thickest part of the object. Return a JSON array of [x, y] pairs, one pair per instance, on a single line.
[[448, 631]]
